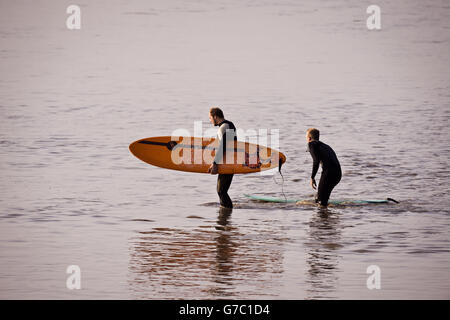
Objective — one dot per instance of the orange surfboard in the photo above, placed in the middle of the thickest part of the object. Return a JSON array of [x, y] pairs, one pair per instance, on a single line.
[[196, 154]]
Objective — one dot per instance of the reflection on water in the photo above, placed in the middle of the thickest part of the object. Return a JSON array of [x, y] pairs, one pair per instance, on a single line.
[[324, 237], [225, 250], [208, 262]]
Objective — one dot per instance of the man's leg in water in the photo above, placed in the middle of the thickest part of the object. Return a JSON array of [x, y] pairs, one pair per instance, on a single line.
[[326, 185], [223, 184]]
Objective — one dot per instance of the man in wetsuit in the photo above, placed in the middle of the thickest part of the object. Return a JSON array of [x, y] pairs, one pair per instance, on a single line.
[[331, 169], [226, 133]]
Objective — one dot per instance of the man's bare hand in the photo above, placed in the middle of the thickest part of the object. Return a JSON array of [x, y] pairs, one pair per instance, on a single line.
[[313, 184], [213, 169]]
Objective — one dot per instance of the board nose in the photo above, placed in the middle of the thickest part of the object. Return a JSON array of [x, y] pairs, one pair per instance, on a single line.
[[281, 160], [131, 147]]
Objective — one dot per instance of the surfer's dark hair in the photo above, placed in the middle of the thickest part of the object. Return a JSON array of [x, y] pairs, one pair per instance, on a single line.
[[313, 133], [216, 112]]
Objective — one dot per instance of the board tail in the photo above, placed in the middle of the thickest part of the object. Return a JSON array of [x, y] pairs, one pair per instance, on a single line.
[[393, 200]]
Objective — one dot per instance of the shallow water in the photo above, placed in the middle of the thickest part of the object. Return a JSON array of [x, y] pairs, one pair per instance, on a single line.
[[72, 194]]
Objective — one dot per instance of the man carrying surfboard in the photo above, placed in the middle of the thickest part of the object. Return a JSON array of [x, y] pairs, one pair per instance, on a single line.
[[226, 132], [331, 169]]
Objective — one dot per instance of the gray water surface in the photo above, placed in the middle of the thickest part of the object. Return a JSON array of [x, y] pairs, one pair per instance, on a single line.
[[71, 101]]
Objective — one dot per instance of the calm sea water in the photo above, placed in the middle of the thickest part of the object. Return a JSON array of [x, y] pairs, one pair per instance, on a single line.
[[71, 101]]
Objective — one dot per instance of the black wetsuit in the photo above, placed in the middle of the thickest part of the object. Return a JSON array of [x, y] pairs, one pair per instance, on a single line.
[[224, 180], [331, 169]]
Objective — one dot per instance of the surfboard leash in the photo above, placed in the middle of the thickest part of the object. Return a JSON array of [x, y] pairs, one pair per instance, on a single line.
[[282, 183]]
